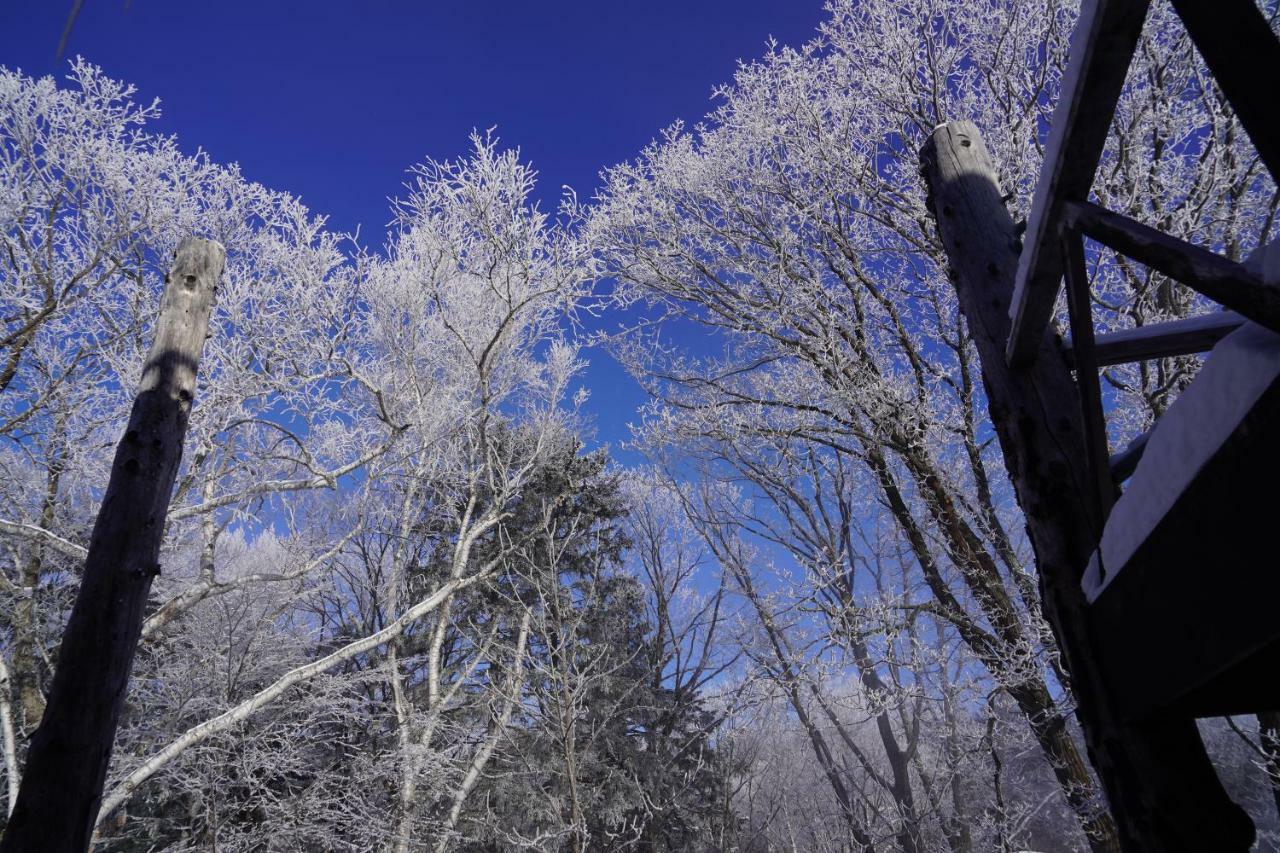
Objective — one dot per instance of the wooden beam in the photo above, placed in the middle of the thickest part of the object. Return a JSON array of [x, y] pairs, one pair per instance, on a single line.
[[1161, 340], [1101, 49], [1090, 391], [1243, 55], [1124, 463], [1159, 781], [1222, 280], [69, 753]]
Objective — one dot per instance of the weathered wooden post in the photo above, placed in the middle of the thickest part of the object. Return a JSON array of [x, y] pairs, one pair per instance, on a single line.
[[1162, 788], [69, 753]]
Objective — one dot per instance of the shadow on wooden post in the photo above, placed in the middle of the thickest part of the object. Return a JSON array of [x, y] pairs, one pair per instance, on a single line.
[[69, 753], [1162, 789]]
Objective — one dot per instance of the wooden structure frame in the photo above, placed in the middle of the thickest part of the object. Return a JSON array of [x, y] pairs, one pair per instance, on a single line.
[[1158, 618], [1185, 630], [1244, 57], [1157, 612]]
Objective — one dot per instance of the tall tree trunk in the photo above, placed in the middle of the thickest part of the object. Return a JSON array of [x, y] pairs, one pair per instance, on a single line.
[[1159, 781], [908, 835], [1050, 730], [501, 719], [69, 753], [789, 680], [26, 641], [997, 780], [956, 828], [7, 741], [1001, 652]]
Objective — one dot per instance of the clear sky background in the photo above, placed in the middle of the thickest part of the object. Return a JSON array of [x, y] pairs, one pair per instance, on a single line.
[[333, 101]]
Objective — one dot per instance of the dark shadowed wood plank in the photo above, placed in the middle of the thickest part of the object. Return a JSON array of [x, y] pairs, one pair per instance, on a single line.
[[1189, 621], [1087, 384], [1161, 340], [69, 753], [1243, 55], [1125, 347], [1218, 278], [1101, 50]]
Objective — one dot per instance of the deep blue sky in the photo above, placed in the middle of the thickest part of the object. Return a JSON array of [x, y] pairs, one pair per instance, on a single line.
[[333, 101]]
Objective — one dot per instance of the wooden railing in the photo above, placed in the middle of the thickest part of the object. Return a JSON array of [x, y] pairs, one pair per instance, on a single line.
[[1243, 54]]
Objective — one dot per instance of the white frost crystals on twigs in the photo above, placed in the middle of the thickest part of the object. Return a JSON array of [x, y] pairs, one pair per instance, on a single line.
[[402, 608]]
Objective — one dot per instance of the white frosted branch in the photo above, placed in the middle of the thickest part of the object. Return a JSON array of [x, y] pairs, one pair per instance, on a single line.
[[35, 533], [125, 788]]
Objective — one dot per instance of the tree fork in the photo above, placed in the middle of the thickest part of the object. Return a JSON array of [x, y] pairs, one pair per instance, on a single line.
[[67, 761], [1162, 789]]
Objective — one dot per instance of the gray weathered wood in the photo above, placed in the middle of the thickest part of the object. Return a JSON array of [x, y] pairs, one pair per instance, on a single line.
[[69, 753], [1159, 781], [1222, 280], [1161, 340], [1101, 49]]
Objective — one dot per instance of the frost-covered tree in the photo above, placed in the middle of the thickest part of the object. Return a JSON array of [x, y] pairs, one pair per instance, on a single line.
[[402, 608], [391, 581], [422, 386], [792, 226], [92, 207], [603, 754]]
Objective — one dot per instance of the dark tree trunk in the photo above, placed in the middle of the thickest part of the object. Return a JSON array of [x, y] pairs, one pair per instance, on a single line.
[[69, 753]]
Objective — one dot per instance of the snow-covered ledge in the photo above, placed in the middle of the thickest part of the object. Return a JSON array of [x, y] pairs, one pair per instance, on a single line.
[[1237, 373]]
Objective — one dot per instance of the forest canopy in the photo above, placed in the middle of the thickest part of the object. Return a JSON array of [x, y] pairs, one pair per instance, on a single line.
[[408, 602]]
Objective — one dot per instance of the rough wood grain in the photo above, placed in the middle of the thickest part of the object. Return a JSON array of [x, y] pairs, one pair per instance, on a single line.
[[69, 753], [1161, 786], [1101, 49]]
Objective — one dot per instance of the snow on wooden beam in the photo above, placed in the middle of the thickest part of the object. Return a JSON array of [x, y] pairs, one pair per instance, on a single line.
[[1222, 280], [1240, 375], [1103, 45], [1126, 461], [1162, 340], [1185, 614]]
